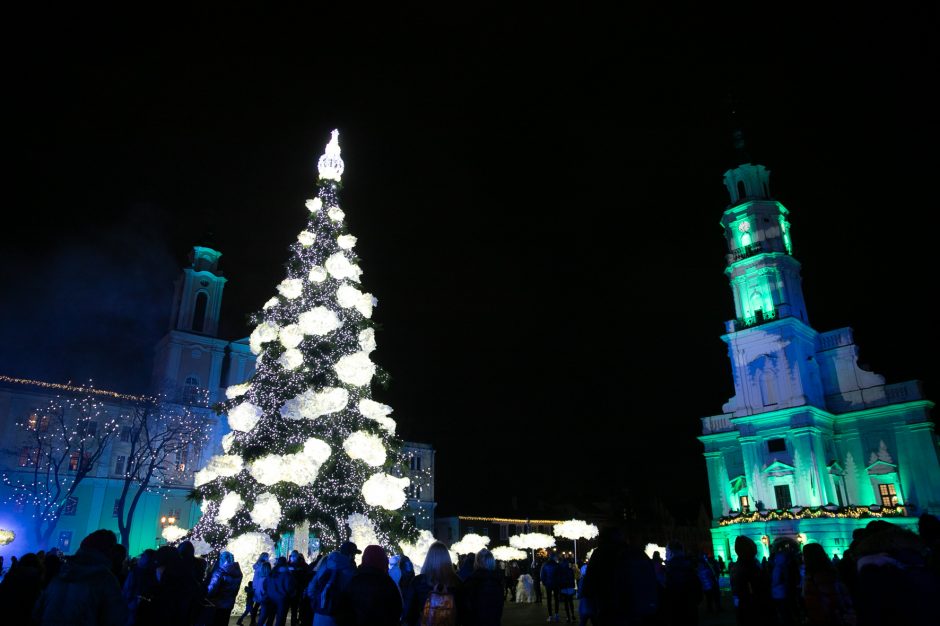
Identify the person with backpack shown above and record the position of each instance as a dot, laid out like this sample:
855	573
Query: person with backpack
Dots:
372	594
438	595
330	581
484	592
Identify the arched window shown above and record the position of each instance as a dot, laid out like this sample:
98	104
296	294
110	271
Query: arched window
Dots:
191	390
768	390
199	311
742	192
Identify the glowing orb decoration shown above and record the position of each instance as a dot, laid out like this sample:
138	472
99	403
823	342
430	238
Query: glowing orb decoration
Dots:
318	321
248	547
231	504
336	214
331	166
266	512
386	491
355	369
244	417
418	551
378	412
237	390
317	274
576	529
306	238
365	447
173	533
291	359
291	288
291	336
362	532
6	537
508	553
314	205
470	544
367	340
312	404
224	465
263	333
272	302
300	468
346	242
532	541
340	267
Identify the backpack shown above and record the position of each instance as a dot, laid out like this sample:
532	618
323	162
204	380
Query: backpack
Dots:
324	592
439	609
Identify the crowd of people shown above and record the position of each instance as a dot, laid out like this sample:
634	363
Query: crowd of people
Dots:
887	575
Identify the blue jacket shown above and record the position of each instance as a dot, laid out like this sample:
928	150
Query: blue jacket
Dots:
344	570
224	585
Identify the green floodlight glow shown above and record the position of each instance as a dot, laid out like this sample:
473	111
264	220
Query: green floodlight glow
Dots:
785	231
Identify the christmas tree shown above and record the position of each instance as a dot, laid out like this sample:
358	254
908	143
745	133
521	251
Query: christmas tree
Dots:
309	450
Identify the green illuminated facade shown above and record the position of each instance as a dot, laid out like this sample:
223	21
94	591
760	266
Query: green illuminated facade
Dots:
811	446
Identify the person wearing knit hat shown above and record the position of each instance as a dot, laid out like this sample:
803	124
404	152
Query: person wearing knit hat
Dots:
373	595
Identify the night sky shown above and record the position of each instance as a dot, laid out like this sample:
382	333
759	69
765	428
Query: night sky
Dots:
536	194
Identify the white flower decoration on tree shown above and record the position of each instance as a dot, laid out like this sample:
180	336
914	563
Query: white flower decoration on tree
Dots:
223	465
365	447
291	335
418	550
367	340
355	369
272	302
231	504
336	214
379	412
470	544
244	417
300	468
263	333
291	288
319	321
306	238
266	512
362	530
346	242
248	547
201	546
348	297
317	274
508	553
314	205
227	440
313	404
385	490
237	390
576	529
173	533
340	267
291	359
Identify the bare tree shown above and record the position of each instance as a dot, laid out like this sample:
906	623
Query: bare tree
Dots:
163	441
66	439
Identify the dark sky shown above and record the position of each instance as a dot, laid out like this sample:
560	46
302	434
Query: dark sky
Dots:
536	195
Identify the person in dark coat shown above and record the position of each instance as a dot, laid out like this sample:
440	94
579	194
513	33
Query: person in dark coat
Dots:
177	598
548	578
224	585
749	585
338	564
466	566
297	565
683	590
278	590
564	582
619	583
85	591
372	595
20	588
51	565
191	562
535	569
406	583
483	592
138	589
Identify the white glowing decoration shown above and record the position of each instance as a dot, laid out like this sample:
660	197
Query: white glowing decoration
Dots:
331	164
508	553
300	468
223	465
266	512
318	321
291	288
340	267
272	302
346	242
385	490
355	369
314	205
362	531
378	412
576	529
317	274
470	544
227	440
587	557
291	359
367	340
649	550
312	404
291	335
336	214
237	390
418	551
231	504
348	297
244	417
306	238
263	333
201	546
247	548
365	447
532	541
174	533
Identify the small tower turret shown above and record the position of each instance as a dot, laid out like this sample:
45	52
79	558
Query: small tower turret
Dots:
197	302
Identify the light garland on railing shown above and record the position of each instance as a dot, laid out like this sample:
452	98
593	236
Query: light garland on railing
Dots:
851	512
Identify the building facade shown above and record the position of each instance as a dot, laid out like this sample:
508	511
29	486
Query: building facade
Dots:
811	446
192	366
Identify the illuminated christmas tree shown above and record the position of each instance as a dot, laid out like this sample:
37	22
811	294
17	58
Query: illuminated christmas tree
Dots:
309	451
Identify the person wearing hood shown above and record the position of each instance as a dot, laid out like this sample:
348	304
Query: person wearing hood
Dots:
278	589
332	579
372	595
224	584
86	590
